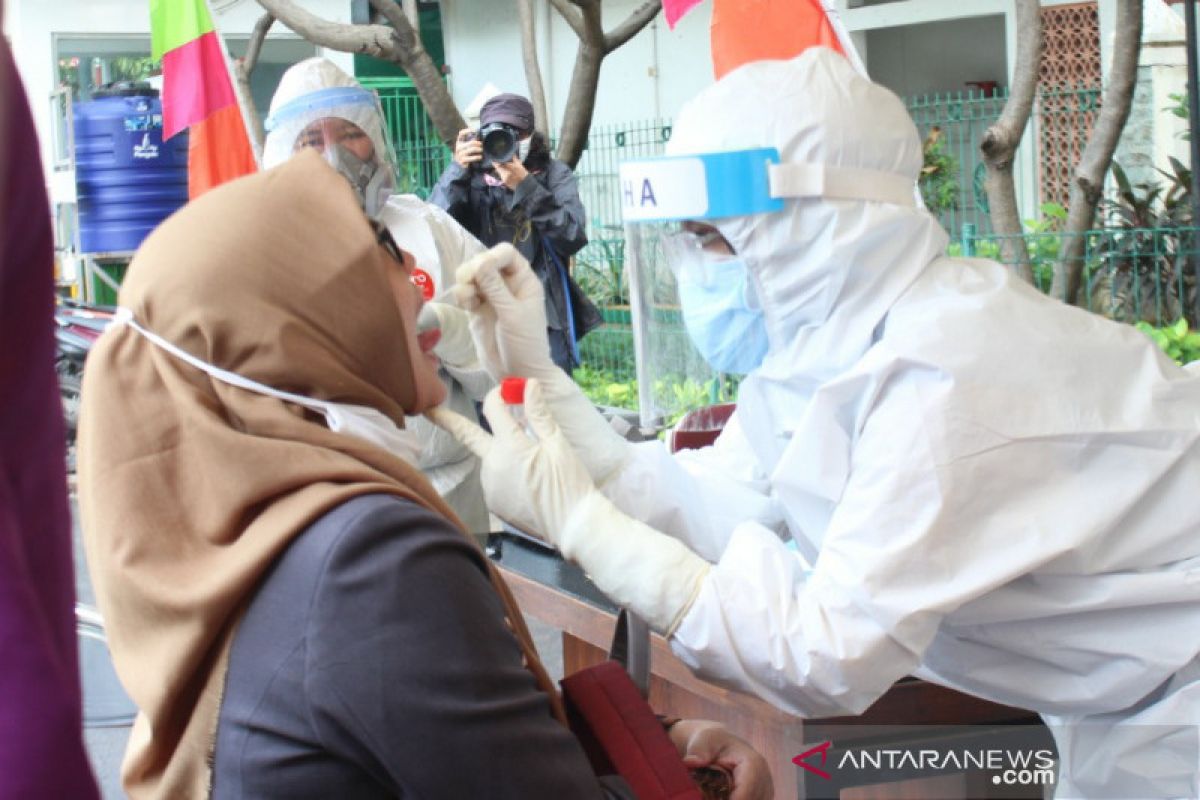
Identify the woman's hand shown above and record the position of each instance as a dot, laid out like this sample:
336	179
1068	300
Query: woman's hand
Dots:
468	149
703	743
511	173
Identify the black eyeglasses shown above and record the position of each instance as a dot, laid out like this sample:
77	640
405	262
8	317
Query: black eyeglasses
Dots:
383	237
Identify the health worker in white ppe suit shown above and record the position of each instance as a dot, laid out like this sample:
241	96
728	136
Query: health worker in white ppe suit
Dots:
319	106
933	469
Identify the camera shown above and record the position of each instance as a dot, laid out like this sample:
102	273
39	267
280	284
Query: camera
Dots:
499	143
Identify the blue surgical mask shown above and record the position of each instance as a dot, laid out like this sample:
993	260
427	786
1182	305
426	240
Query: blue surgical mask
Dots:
723	317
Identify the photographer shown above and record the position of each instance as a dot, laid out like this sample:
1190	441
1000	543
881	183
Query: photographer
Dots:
528	199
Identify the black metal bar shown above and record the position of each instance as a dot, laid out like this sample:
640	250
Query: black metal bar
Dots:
1193	86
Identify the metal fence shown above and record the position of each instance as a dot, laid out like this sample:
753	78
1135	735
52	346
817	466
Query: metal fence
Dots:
1129	274
420	154
956	122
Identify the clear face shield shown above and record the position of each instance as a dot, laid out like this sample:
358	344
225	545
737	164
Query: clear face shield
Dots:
344	124
695	300
696	316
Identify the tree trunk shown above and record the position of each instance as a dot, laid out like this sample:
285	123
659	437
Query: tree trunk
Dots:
1000	141
581	103
398	44
1088	186
533	72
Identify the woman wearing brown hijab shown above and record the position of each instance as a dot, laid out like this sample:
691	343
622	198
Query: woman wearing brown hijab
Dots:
293	608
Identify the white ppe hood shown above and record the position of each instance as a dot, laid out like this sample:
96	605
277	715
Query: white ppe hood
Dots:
826	270
987	488
297	101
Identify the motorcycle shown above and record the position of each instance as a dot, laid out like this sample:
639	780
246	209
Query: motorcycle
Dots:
77	326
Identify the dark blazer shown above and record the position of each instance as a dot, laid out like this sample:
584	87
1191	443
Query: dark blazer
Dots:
374	662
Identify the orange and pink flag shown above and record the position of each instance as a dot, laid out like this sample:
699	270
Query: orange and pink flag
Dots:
198	94
755	30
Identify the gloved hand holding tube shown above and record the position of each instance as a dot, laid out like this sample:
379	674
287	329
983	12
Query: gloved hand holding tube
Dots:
541	486
508	323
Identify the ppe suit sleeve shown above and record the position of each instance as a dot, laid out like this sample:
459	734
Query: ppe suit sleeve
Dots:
554	209
696	496
452	192
474	380
454	242
890	567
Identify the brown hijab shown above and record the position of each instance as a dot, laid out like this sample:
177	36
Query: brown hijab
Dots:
190	488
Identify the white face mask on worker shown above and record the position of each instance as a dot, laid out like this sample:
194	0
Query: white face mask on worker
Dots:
362	422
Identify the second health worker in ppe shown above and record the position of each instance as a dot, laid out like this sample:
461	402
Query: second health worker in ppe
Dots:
982	486
319	107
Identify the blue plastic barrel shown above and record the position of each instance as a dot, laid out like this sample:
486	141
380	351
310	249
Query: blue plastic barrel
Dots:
127	178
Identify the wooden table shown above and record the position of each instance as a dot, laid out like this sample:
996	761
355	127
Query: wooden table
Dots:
559	595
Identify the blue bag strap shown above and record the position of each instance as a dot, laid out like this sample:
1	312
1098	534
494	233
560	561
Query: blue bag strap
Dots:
562	272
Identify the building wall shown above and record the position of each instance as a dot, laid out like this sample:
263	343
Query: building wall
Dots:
1153	135
939	56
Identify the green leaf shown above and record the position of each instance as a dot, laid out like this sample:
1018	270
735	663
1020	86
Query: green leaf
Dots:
1180	328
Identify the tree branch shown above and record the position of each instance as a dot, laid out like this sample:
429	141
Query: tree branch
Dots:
242	69
593	28
1000	141
639	18
1097	156
573	16
399	44
372	40
412	14
257	37
401	25
533	72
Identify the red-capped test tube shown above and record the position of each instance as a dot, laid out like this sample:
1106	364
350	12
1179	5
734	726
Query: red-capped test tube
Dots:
512	392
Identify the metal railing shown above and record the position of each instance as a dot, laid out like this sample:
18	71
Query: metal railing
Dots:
1061	121
1129	274
420	154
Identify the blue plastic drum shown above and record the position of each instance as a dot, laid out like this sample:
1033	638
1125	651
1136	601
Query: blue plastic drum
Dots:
127	178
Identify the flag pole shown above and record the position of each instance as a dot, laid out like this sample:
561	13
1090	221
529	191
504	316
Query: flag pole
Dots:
835	21
255	147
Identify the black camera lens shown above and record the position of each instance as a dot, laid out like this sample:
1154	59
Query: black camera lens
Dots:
499	142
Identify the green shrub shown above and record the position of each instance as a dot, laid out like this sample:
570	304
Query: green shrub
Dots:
939	175
1043	237
1175	340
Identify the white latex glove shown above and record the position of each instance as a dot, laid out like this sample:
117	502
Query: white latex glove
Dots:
456	349
508	324
541	486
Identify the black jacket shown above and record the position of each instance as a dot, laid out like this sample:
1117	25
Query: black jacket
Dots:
543	209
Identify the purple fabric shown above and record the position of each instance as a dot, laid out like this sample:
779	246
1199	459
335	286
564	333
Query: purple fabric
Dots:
41	739
511	109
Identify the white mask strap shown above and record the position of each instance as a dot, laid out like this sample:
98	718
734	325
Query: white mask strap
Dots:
124	316
840	183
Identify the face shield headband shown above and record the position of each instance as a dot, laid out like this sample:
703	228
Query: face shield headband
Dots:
739	183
